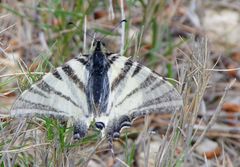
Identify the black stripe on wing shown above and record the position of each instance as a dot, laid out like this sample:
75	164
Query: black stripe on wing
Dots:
48	89
56	74
71	73
81	60
137	70
26	104
169	96
161	110
127	66
147	82
113	58
158	84
35	91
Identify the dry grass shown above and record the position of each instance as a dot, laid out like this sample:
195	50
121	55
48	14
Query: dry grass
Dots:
40	38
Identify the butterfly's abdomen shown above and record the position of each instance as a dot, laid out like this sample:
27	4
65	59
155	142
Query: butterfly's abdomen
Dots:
98	84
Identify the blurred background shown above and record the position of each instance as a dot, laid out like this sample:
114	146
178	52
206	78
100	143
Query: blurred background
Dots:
194	42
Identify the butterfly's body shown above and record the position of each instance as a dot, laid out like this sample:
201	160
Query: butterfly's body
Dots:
98	83
107	88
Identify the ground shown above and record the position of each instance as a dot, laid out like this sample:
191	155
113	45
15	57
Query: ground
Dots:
194	45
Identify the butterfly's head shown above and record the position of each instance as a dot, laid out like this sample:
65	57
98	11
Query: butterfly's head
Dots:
98	44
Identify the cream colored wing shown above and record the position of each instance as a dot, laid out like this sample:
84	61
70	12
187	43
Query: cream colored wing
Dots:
137	91
59	94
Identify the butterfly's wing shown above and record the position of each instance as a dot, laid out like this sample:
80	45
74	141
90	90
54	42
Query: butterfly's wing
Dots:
60	94
136	91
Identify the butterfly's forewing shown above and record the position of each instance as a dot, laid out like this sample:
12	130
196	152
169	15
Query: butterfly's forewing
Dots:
137	91
59	94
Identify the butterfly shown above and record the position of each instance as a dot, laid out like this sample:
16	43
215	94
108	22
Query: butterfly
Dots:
108	88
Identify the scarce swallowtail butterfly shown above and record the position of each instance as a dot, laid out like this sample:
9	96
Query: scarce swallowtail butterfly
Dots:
108	88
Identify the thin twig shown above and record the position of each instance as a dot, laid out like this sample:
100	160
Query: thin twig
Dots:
22	73
224	70
212	121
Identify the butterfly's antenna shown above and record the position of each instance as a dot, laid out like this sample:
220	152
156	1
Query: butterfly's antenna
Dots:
124	20
90	35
